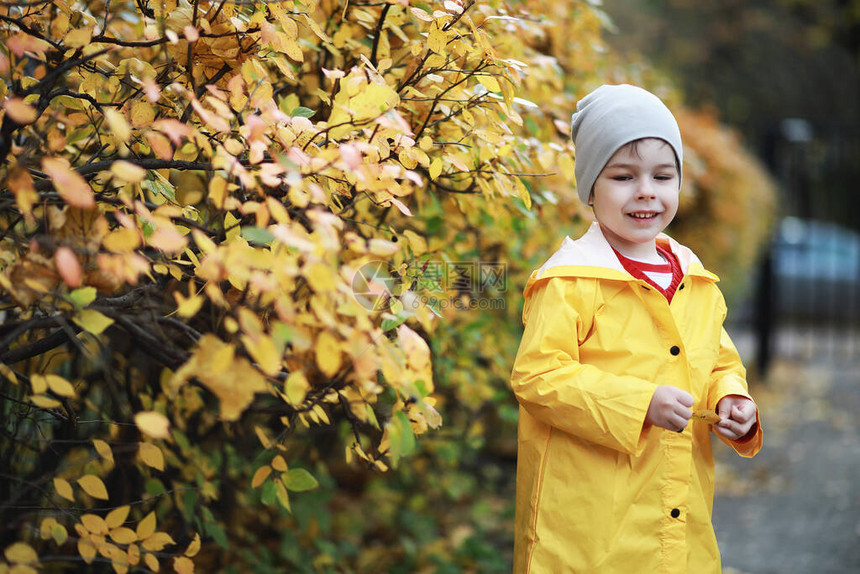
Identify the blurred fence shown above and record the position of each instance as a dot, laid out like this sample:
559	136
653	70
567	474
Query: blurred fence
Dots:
806	299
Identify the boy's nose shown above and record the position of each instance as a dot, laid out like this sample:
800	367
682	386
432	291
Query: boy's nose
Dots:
645	190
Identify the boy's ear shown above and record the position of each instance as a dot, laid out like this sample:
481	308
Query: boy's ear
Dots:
591	199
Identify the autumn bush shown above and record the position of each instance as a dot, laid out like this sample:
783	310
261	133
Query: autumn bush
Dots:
261	268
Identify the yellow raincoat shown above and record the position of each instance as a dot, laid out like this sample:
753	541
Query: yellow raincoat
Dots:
598	490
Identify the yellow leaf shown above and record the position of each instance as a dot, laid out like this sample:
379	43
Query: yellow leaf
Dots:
194	547
39	384
123	535
146	527
188	307
7	372
93	486
320	277
153	424
157	542
279	464
71	186
20	553
437	40
127	171
328	353
489	82
118	124
64	489
260	476
92	321
282	494
78	38
44	402
116	517
264	351
565	162
435	168
103	449
151	455
382	247
46	527
151	562
94	524
183	565
86	550
706	415
60	386
297	387
142	114
20	111
122	240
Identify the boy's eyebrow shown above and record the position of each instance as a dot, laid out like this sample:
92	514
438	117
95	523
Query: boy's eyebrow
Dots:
635	165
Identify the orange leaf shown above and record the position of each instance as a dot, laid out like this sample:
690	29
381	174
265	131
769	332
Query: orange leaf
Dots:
20	111
260	476
68	266
73	188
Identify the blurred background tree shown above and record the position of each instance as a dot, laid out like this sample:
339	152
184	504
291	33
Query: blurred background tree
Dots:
187	192
784	73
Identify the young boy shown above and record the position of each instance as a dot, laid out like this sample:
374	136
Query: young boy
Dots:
623	342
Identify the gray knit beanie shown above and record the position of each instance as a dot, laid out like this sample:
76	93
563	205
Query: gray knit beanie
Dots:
612	116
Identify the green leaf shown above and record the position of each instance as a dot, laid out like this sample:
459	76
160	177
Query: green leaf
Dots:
82	297
302	112
268	493
154	487
299	480
156	183
257	235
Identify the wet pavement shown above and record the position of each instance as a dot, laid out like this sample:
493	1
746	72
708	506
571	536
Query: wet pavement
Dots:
795	508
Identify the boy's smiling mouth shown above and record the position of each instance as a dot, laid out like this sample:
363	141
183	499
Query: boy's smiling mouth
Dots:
644	214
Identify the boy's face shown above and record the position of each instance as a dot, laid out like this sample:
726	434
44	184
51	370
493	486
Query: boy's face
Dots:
636	196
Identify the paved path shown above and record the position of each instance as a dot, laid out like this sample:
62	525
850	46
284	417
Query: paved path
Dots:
795	508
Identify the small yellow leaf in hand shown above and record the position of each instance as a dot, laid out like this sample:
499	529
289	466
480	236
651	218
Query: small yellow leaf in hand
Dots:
151	455
706	415
152	424
64	489
93	486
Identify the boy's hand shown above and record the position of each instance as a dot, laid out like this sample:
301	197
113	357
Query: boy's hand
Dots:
738	416
670	408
